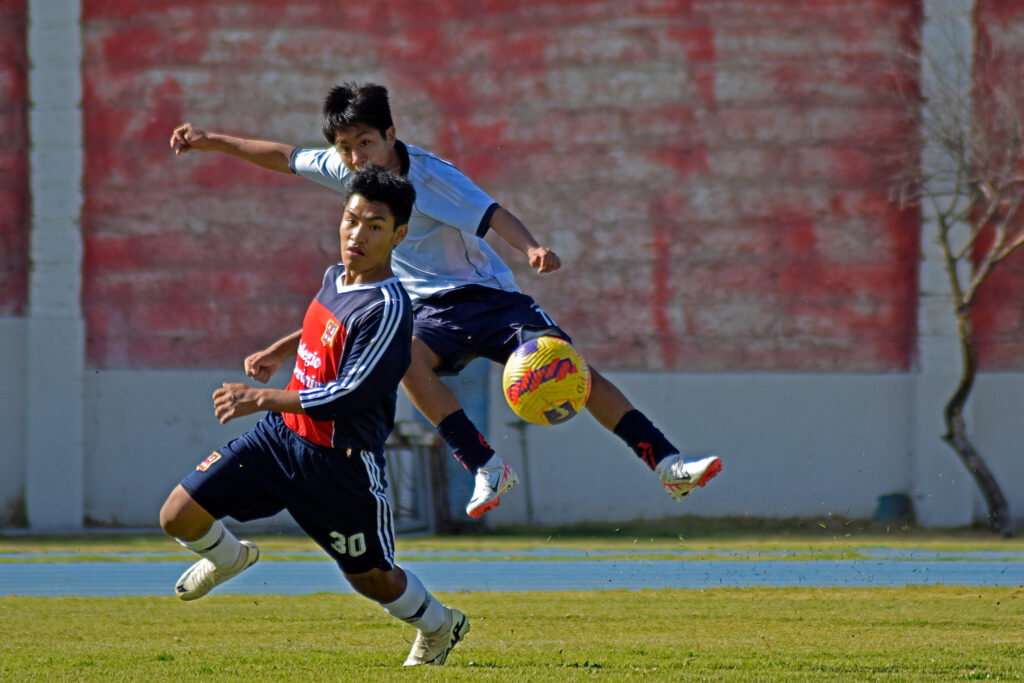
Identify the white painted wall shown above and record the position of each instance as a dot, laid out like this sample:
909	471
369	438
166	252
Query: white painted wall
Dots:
792	445
948	37
54	354
144	431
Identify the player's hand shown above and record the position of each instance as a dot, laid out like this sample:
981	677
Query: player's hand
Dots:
261	365
187	137
233	400
543	259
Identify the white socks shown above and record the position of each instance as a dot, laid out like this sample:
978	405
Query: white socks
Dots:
218	545
417	607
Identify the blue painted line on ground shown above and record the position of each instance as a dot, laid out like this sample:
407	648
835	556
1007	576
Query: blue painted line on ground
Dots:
572	553
299	577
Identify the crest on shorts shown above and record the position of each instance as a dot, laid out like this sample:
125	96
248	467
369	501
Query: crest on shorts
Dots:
330	332
210	459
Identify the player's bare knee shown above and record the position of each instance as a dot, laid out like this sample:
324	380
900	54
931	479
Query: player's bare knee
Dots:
172	521
169	520
182	517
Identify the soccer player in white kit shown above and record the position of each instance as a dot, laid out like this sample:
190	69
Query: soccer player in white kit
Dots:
466	302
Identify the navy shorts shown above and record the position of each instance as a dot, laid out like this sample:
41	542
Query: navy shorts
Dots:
338	499
478	322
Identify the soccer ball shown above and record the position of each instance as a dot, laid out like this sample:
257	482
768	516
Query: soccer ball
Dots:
546	381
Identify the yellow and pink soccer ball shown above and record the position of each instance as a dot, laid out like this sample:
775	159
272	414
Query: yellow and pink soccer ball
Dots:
546	381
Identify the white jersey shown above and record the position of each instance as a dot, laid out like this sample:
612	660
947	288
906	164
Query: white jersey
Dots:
444	247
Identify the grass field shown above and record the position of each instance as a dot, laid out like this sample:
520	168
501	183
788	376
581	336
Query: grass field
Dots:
761	634
932	633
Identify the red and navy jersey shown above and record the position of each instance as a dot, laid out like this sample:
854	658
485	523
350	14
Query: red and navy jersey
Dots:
354	349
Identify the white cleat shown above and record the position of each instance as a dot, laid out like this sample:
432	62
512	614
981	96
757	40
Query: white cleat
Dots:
433	648
201	577
492	480
680	476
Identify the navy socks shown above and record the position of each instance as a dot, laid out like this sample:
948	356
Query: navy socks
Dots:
465	440
646	440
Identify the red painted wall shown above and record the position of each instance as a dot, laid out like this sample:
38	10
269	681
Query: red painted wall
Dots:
999	309
709	171
14	195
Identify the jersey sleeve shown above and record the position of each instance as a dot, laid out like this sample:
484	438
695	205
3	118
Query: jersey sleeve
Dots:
373	366
322	166
447	195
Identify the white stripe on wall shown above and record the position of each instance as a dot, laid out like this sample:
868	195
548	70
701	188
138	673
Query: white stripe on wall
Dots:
55	342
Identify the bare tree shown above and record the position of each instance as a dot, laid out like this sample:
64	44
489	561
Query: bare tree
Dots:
968	123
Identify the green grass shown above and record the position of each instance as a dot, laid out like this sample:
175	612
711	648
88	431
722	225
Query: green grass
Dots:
926	633
750	634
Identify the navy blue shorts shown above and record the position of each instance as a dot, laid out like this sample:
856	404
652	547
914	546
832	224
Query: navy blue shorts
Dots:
339	500
478	322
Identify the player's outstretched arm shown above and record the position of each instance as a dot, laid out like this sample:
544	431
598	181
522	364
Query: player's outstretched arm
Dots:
269	155
262	364
512	230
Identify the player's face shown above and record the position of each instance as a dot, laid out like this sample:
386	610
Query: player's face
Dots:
363	144
368	234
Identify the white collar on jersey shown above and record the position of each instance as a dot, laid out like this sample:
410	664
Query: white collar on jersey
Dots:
339	284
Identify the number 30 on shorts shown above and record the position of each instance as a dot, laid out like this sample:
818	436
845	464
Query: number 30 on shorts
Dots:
353	546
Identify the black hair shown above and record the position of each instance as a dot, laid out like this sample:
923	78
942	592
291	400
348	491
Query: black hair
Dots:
351	103
377	184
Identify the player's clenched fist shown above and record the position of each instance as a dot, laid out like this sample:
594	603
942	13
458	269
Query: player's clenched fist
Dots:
186	137
544	260
234	400
261	365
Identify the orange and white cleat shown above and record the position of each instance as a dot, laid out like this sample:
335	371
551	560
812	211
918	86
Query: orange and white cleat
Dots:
680	476
492	480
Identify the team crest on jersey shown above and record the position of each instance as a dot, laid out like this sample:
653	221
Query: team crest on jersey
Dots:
330	332
210	459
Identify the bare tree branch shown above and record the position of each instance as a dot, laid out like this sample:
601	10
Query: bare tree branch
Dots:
971	134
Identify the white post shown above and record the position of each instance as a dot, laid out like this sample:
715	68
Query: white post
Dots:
943	491
54	468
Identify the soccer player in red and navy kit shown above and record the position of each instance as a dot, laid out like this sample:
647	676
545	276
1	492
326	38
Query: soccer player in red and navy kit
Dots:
319	452
467	304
